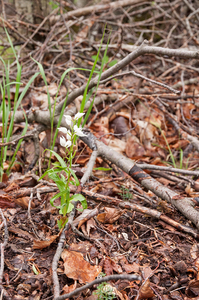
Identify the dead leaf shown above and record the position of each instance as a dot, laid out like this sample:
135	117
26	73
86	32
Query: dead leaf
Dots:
188	189
193	289
77	268
13	186
23	202
20	232
133	148
38	244
89	225
101	217
90	215
6	201
85	216
131	268
116	144
194	251
146	291
69	288
147	133
107	266
110	216
83	247
197	263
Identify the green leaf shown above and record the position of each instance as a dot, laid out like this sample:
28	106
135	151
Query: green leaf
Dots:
59	223
35	270
98	80
113	62
94	57
106	59
54	198
62	162
66	208
75	177
81	198
102	169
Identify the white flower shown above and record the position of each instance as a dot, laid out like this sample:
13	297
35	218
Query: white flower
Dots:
64	143
78	131
63	129
68	120
68	135
78	115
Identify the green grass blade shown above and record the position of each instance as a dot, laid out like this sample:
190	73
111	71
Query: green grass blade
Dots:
19	144
62	162
85	98
98	81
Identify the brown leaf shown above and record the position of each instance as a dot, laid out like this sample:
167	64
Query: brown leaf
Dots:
188	189
116	267
37	244
20	232
85	215
197	264
110	216
69	288
131	268
194	251
82	247
134	149
77	268
89	225
92	213
6	201
11	187
108	268
116	144
193	288
147	271
120	125
23	202
101	217
146	291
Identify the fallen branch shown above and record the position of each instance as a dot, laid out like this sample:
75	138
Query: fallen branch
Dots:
139	208
98	281
168	169
58	253
90	166
184	204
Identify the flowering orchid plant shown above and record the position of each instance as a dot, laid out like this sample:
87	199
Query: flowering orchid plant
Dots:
60	167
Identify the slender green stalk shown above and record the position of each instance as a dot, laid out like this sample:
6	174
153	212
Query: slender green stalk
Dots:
5	109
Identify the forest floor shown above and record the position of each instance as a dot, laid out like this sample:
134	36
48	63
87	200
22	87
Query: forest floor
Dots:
127	227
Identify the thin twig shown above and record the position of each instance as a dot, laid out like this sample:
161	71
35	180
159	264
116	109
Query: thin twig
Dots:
29	216
168	169
3	245
58	253
90	166
98	281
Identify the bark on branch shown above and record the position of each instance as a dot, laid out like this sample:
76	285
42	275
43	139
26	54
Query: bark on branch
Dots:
184	204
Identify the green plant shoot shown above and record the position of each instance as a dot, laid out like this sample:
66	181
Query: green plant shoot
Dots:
61	167
105	291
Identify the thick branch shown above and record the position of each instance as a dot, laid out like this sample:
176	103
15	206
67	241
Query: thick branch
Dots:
183	204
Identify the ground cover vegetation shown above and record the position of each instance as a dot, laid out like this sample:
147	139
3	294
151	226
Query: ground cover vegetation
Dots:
99	151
